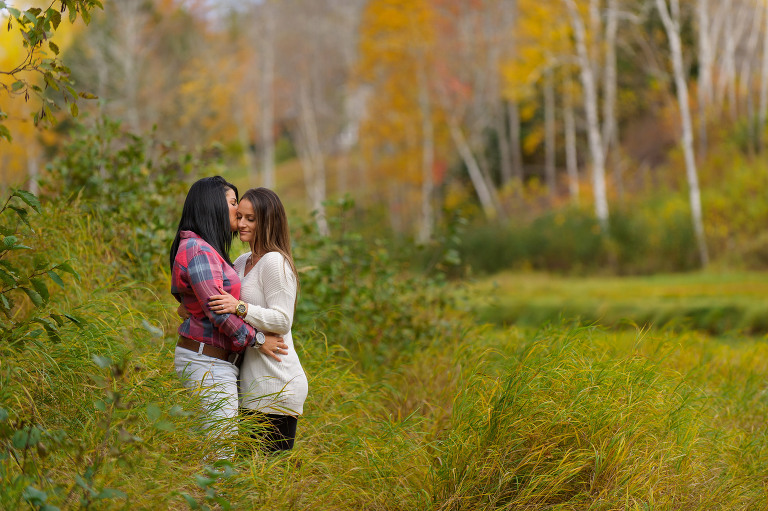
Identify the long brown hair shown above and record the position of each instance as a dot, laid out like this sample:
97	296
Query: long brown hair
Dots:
271	233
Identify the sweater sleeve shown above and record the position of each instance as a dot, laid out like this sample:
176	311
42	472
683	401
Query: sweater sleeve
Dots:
279	286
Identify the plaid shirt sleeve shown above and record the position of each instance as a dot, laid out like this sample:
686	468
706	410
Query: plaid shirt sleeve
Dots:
205	278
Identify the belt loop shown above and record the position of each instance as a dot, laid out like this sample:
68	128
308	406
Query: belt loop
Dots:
200	349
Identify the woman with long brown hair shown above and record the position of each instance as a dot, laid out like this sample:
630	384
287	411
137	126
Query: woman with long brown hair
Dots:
271	392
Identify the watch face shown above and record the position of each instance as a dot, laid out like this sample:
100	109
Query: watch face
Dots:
241	309
260	338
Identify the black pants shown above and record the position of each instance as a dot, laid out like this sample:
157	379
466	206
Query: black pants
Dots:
277	432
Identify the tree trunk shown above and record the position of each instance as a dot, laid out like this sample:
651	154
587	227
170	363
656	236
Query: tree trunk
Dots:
571	158
513	113
267	99
610	126
593	122
427	159
671	21
311	157
549	134
33	169
502	138
482	188
746	75
705	73
763	113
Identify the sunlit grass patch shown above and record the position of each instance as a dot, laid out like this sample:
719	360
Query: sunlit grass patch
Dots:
712	302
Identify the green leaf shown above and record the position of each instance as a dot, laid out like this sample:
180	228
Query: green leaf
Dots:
4	133
87	95
14	12
191	502
41	288
30	16
34	296
153	412
17	85
54	48
102	362
28	198
55	277
67	268
55	19
100	405
34	496
23	214
73	319
7	278
73	109
5	303
165	426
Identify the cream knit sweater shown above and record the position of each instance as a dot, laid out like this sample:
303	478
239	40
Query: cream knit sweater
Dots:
267	385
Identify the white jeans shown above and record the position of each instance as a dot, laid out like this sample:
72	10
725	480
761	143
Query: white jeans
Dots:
216	382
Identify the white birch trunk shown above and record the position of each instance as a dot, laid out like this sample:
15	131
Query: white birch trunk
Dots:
609	78
571	157
593	122
746	73
311	157
515	146
705	73
505	154
33	169
671	21
484	192
267	99
427	160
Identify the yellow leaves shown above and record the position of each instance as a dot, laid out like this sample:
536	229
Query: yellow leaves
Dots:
542	40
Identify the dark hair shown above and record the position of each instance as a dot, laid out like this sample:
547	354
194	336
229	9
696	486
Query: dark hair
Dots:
272	233
206	214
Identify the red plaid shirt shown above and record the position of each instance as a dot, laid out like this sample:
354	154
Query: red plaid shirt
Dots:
198	271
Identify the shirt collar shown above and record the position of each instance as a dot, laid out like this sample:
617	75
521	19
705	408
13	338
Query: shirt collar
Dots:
188	234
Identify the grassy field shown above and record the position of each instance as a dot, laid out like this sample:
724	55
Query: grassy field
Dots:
719	303
412	405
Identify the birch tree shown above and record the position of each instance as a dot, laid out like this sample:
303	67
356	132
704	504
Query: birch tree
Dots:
266	94
670	17
586	64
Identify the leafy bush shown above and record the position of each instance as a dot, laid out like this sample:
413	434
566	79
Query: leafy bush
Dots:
137	184
358	294
645	240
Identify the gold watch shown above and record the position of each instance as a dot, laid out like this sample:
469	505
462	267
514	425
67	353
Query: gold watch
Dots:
242	309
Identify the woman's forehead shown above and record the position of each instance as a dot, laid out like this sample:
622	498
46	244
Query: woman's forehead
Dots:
230	194
245	206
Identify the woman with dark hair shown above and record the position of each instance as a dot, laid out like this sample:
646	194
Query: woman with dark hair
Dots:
272	391
210	344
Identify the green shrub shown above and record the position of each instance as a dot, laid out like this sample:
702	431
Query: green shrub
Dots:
642	241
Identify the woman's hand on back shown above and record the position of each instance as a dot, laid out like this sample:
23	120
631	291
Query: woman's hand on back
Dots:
274	346
224	303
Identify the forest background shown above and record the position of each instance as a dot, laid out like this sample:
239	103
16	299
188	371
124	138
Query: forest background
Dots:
493	204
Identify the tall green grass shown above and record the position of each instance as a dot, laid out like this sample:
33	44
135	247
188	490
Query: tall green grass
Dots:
413	404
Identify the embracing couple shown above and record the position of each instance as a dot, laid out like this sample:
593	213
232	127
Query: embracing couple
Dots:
235	347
